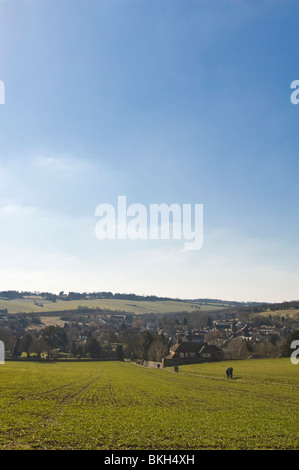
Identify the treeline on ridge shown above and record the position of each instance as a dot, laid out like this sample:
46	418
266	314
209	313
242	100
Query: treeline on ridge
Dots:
13	294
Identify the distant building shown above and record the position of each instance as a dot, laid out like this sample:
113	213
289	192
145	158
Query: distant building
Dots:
195	336
187	352
222	325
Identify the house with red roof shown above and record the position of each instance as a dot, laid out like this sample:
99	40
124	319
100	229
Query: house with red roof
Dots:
187	352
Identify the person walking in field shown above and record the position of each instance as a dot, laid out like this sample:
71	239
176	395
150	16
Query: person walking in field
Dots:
229	372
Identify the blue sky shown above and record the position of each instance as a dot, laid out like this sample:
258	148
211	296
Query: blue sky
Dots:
164	101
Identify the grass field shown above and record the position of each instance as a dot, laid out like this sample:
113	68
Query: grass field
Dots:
115	405
291	312
28	305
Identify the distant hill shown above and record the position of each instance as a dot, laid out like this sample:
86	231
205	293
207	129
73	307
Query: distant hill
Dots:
47	303
43	302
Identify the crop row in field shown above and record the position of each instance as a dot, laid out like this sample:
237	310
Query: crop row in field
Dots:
122	406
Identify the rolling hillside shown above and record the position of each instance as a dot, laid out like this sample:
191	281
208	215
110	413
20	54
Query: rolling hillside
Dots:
38	304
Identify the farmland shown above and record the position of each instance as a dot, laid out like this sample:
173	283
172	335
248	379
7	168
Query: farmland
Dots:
121	406
38	305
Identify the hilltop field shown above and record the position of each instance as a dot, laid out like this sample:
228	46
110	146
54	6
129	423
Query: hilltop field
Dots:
122	406
37	304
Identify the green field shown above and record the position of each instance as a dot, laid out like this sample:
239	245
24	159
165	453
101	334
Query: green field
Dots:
121	406
291	312
28	305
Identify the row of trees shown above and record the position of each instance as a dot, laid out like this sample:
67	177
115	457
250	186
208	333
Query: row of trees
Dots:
78	295
53	340
272	346
51	337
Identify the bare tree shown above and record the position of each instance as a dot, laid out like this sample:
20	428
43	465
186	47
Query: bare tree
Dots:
157	350
237	349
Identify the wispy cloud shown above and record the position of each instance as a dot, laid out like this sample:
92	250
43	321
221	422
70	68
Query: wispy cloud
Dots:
62	164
